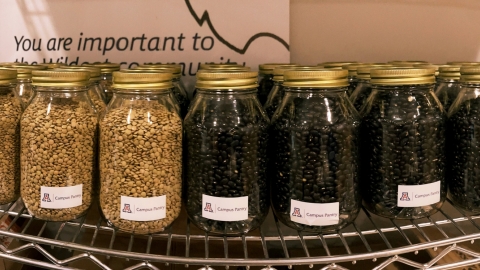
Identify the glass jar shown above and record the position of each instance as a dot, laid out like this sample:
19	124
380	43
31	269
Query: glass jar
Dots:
463	141
363	89
58	146
9	137
352	76
447	87
314	168
24	81
141	154
402	145
226	139
265	79
96	94
106	70
178	90
276	94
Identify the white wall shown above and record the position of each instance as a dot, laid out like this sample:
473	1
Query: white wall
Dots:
382	30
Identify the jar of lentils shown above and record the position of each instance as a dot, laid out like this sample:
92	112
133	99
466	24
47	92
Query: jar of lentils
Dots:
447	87
314	171
9	136
96	94
463	129
178	90
403	145
58	146
141	154
24	81
106	70
226	140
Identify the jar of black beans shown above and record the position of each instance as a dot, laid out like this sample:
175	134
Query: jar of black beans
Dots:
447	87
463	141
226	140
265	82
314	178
363	87
402	145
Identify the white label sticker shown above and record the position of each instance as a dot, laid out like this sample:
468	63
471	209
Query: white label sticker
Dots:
225	209
418	195
61	197
315	214
143	209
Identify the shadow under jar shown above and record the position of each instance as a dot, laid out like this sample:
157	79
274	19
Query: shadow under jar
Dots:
141	154
402	145
448	87
463	142
226	139
9	137
58	146
314	152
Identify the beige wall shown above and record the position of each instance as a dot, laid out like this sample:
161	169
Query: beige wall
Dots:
382	30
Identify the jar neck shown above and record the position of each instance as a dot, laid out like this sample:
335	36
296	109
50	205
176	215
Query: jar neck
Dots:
7	88
106	76
470	85
446	80
217	92
24	80
60	89
143	94
316	91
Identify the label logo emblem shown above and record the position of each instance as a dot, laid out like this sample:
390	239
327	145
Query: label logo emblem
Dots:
404	197
296	212
126	208
46	197
208	207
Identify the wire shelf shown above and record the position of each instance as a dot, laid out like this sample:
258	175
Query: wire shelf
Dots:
378	240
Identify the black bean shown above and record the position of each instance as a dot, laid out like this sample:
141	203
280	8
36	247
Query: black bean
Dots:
463	141
235	137
402	143
311	139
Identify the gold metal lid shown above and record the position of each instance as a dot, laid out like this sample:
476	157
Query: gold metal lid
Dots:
280	71
352	68
219	65
232	68
463	63
25	71
51	65
470	74
105	68
337	64
94	71
222	80
402	76
321	78
9	64
449	72
142	80
176	71
8	75
408	63
363	72
269	67
434	66
53	78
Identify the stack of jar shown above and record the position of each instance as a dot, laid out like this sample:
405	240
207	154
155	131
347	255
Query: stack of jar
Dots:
317	157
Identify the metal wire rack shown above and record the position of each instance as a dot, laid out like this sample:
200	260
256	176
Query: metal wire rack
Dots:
423	244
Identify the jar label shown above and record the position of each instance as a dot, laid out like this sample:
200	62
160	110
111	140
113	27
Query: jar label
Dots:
61	197
143	209
418	195
225	209
315	214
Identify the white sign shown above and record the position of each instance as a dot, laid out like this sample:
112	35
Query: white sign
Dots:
418	195
225	209
61	197
315	214
188	32
143	209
